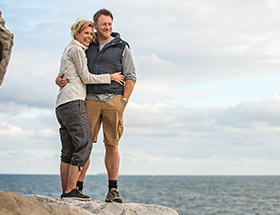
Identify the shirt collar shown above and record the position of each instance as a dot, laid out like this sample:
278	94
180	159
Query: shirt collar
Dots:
77	43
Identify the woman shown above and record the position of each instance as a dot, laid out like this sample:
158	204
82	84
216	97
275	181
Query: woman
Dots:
70	108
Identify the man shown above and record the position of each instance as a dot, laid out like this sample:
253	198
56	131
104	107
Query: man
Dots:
106	103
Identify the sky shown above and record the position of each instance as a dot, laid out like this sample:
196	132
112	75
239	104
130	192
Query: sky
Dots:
207	98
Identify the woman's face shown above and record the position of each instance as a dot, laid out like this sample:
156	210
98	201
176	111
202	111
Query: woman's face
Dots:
85	37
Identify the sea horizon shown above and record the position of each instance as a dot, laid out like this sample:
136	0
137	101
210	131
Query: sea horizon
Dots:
105	174
186	194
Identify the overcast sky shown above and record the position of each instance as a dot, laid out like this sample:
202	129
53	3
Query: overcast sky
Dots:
206	101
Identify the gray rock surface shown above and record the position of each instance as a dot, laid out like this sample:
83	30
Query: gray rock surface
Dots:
6	43
13	204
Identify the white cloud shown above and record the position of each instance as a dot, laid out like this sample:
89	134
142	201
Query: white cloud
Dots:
12	131
48	132
252	112
248	130
157	165
206	73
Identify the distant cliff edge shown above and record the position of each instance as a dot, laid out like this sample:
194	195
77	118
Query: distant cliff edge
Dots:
6	44
12	204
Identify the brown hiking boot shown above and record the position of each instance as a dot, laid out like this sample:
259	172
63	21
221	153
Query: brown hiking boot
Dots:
113	196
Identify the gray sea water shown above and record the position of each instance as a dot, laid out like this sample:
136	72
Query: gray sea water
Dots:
188	195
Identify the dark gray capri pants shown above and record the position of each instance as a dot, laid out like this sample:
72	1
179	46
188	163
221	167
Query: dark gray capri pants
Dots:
74	132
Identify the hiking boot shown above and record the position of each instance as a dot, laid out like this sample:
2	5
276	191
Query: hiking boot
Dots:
75	194
81	191
113	196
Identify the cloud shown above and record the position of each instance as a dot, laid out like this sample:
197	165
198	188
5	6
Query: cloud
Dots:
157	165
7	130
31	79
33	128
161	80
48	132
206	73
252	113
206	40
204	133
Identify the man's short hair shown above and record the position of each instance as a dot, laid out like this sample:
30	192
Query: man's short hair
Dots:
104	12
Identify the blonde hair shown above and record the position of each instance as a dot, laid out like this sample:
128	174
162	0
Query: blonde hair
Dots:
79	26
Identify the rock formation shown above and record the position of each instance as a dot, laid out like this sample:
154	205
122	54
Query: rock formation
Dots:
13	204
6	43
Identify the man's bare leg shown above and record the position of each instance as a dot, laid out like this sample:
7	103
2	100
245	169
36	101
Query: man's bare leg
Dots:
112	161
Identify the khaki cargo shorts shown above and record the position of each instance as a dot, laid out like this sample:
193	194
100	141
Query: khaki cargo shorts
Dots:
110	114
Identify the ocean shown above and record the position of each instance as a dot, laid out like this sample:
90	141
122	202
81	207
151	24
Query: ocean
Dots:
188	195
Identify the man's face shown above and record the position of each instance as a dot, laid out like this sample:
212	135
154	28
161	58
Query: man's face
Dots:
104	27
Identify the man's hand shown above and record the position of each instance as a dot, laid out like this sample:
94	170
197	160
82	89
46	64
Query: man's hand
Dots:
61	81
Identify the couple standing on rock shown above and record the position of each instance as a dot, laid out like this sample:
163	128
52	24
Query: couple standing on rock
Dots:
94	89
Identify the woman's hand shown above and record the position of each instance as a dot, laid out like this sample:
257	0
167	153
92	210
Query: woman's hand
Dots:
117	77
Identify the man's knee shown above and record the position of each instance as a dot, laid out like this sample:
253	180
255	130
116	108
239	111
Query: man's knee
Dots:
112	148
